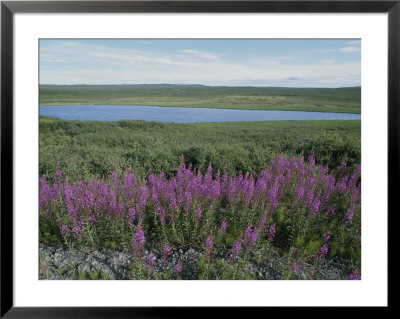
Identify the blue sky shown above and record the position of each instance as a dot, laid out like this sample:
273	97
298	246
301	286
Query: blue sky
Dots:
258	62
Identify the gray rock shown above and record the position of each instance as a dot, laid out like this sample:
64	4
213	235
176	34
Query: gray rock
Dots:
99	255
84	267
65	265
78	257
269	266
57	257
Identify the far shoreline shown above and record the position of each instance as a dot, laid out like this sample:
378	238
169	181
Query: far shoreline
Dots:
331	100
283	109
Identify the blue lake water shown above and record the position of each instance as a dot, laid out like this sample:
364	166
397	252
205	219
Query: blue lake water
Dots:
182	114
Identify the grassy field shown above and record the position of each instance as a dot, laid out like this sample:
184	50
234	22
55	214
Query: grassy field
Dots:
346	100
84	149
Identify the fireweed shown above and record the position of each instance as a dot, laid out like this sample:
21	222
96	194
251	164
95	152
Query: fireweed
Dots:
208	245
355	275
150	260
178	269
166	252
290	203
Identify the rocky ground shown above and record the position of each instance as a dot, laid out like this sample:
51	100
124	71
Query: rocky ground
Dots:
58	262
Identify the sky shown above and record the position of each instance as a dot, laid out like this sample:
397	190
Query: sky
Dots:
213	62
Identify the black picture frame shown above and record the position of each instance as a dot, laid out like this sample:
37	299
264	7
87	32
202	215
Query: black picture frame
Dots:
9	8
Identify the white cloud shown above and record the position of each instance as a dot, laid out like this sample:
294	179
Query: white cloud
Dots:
287	58
328	61
349	50
199	54
189	51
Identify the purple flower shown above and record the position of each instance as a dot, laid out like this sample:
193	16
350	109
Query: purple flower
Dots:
121	208
261	222
315	206
343	165
131	214
342	185
272	196
129	184
115	180
151	259
271	232
154	198
161	213
198	214
322	170
296	266
300	193
237	246
188	200
224	225
250	237
356	194
138	242
208	244
166	252
112	207
88	200
311	161
171	199
142	197
215	191
58	174
327	236
77	229
331	211
64	230
352	181
355	275
57	177
348	217
323	251
310	183
44	192
178	269
92	220
309	199
208	176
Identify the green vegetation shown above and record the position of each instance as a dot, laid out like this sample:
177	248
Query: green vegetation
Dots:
305	217
82	275
294	206
86	149
104	276
94	275
346	100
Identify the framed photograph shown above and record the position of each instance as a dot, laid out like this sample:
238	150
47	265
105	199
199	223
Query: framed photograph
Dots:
164	155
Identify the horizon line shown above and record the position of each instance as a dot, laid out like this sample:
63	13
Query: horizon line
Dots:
176	84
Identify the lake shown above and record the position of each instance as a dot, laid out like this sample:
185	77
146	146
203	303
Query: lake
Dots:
182	114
